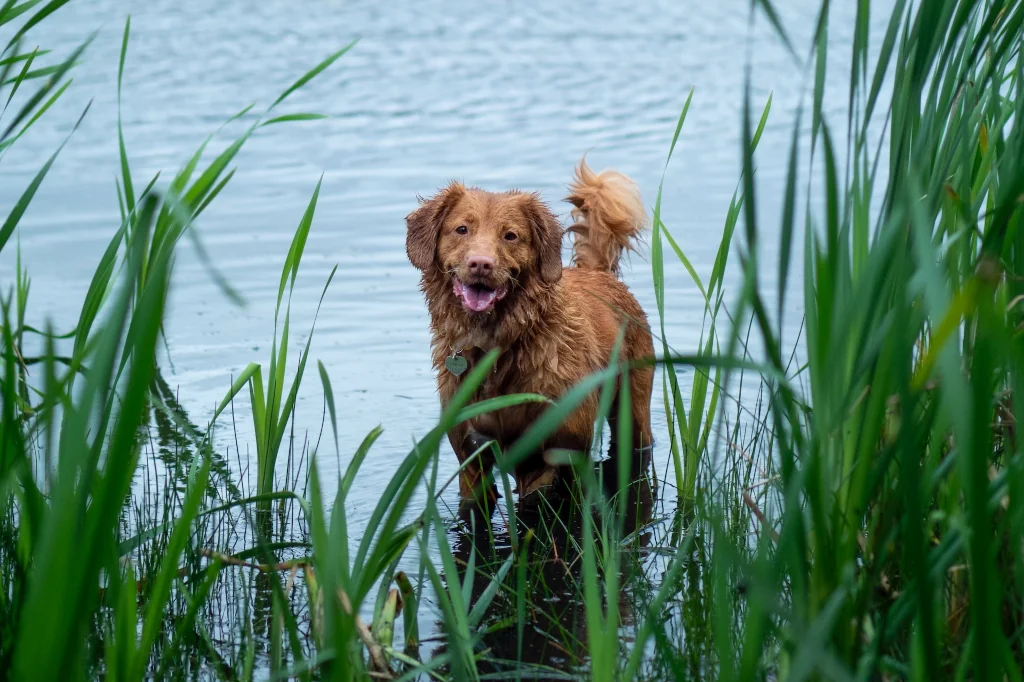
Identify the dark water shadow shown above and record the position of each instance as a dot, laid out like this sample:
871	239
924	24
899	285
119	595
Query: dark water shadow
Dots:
177	438
552	643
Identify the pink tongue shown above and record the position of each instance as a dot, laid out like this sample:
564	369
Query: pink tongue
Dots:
477	299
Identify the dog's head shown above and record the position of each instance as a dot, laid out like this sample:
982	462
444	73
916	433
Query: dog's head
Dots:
487	244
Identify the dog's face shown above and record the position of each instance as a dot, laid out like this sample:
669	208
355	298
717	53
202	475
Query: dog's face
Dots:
487	244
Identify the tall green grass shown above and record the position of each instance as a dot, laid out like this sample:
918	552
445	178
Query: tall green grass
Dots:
859	517
890	540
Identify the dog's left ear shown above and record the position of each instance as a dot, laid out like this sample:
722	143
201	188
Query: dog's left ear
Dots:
548	234
424	224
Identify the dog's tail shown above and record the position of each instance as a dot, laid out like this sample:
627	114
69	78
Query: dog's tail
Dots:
608	217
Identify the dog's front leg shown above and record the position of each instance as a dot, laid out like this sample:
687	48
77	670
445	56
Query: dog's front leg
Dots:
547	469
475	480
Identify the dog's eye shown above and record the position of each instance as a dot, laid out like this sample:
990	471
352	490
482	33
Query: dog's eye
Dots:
511	236
461	229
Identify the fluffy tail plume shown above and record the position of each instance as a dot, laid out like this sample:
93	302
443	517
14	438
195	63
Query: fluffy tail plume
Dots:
608	217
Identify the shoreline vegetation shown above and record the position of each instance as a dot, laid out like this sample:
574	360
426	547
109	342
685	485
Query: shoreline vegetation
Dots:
859	517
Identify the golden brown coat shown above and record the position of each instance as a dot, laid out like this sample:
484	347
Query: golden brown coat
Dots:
493	277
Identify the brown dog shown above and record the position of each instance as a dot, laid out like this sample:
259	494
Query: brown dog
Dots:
493	278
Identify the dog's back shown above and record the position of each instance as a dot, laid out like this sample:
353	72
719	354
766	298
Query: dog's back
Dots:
609	219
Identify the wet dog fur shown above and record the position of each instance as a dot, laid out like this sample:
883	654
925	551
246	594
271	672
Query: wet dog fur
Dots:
493	277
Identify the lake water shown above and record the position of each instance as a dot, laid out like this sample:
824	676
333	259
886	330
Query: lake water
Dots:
496	94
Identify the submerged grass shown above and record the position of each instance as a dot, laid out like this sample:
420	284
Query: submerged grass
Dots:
858	517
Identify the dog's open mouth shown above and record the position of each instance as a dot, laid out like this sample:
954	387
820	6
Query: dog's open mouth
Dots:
477	297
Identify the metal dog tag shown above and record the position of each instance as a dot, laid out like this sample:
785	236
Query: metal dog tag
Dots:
456	364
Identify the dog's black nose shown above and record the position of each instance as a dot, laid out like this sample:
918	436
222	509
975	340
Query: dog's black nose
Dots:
481	265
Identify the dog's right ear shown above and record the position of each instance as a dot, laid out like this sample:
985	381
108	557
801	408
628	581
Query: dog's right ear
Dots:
424	224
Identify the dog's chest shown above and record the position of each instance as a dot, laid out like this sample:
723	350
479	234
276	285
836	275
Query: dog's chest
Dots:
508	423
512	373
